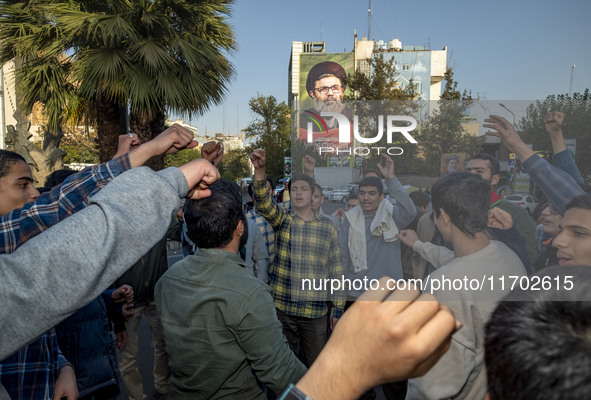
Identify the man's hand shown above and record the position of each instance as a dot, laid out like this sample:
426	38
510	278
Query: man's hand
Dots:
387	169
170	141
65	385
507	133
408	237
212	152
127	310
499	219
123	293
553	122
309	165
121	340
406	338
200	174
339	213
258	159
126	143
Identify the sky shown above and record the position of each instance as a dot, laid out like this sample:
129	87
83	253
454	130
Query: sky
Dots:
501	50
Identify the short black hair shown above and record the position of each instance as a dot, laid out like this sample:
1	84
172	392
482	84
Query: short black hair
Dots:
495	166
301	177
582	201
251	191
319	188
7	160
465	197
538	343
419	198
371	170
211	221
57	177
372	181
540	207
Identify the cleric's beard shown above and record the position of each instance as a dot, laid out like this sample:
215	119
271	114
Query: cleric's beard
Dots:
336	106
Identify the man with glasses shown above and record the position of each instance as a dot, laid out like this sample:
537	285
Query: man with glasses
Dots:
326	84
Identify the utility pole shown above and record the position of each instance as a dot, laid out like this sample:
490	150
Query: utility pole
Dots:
369	21
572	72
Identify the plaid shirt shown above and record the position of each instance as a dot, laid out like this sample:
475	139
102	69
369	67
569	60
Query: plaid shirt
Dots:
266	230
304	250
72	195
31	372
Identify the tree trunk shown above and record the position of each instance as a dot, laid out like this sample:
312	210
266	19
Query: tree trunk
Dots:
148	128
108	127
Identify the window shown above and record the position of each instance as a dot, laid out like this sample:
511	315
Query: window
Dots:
406	67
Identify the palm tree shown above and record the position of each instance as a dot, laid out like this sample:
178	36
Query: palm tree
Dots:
151	57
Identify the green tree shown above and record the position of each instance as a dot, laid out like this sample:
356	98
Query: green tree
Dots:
577	124
80	148
270	129
379	93
380	84
181	158
443	131
235	165
149	56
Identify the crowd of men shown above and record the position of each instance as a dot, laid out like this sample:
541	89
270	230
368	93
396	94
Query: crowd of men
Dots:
234	319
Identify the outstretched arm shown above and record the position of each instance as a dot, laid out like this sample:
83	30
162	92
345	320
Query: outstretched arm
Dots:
563	159
74	193
559	186
60	270
410	333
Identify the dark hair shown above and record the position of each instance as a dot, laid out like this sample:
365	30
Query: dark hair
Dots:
465	197
372	181
211	221
271	183
538	343
301	177
57	177
323	69
581	201
7	160
371	170
495	166
319	188
420	198
538	210
250	189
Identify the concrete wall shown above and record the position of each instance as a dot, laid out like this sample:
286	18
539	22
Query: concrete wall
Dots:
336	176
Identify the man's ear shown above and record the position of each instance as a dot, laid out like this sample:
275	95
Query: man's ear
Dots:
312	95
494	180
239	231
445	217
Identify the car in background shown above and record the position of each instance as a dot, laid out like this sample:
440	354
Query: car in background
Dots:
326	190
341	195
526	201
